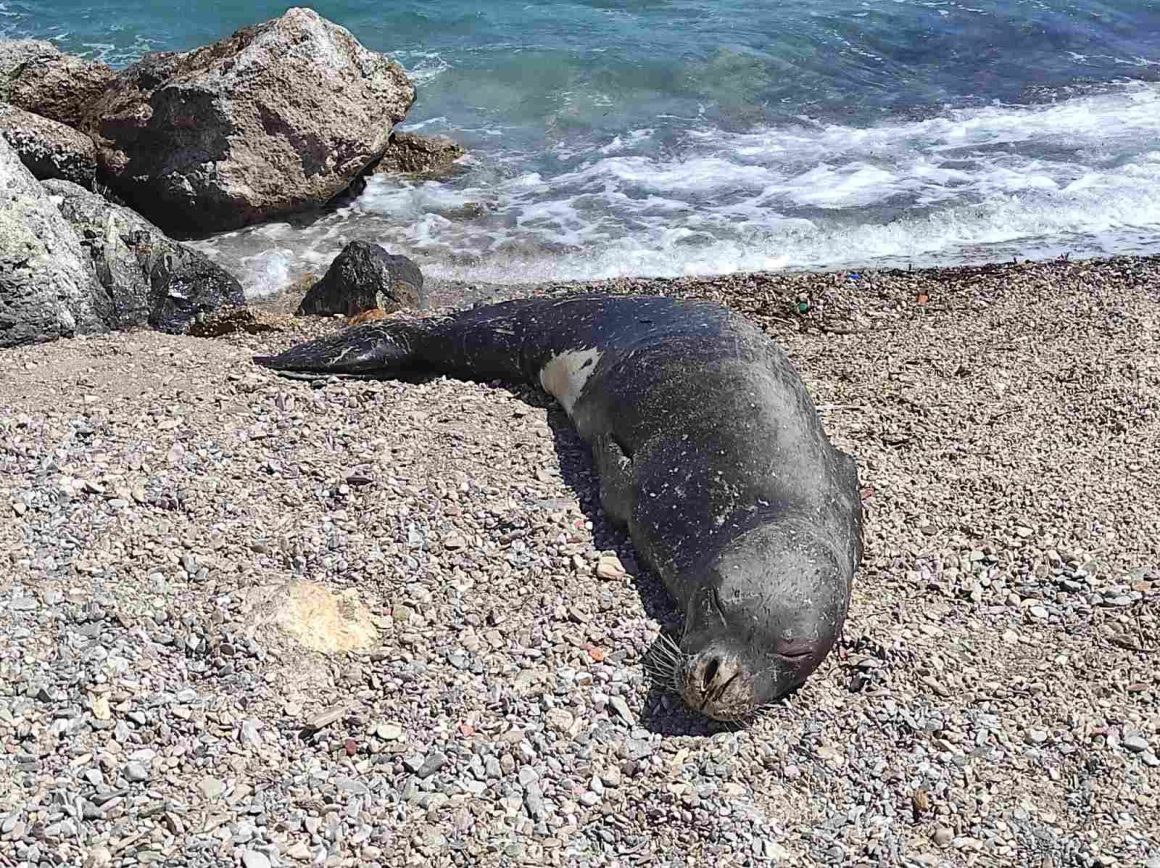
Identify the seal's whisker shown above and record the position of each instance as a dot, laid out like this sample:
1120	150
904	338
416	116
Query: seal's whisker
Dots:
664	679
658	653
664	662
667	662
665	648
661	666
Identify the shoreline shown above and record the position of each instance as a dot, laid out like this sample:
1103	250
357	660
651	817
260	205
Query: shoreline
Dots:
965	183
161	492
786	284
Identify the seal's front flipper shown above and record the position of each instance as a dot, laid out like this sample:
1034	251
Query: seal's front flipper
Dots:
615	470
370	349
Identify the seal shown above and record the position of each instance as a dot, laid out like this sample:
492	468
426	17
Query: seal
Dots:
707	446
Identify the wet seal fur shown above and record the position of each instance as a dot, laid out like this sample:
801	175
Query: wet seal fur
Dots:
708	448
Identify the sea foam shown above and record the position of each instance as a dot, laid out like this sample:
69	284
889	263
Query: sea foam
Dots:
1078	175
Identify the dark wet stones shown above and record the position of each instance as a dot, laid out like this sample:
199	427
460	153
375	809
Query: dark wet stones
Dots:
365	277
150	278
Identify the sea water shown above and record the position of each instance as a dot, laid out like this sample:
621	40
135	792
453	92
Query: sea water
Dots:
669	137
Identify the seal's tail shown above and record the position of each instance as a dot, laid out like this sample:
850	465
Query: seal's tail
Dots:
382	347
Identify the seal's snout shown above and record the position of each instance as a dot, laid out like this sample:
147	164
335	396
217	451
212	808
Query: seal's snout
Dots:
718	685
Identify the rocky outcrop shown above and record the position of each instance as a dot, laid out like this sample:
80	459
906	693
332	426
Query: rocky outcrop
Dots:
15	53
278	117
48	148
365	277
150	278
57	86
48	288
413	154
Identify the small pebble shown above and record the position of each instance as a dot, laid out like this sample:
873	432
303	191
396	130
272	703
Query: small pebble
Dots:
254	859
1135	743
136	772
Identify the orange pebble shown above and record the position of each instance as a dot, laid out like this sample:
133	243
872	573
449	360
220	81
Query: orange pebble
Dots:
372	315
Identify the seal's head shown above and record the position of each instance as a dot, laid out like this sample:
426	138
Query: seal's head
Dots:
767	611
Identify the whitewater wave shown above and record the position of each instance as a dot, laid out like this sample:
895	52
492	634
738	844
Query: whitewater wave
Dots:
422	66
967	185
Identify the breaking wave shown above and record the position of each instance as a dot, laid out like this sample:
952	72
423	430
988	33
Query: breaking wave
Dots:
1079	175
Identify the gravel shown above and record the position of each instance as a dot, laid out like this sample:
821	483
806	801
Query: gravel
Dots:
254	621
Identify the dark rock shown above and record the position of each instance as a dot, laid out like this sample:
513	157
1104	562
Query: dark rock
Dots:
58	86
365	277
48	288
279	117
411	153
151	279
49	148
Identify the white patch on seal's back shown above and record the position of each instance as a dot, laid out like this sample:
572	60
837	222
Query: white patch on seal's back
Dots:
565	375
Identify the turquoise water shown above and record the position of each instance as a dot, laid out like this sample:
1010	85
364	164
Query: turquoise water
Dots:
703	136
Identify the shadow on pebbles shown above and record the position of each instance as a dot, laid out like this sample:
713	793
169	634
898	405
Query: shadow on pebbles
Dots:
246	620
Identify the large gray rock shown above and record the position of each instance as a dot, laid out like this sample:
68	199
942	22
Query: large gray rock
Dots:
48	288
365	277
57	86
151	279
48	148
279	117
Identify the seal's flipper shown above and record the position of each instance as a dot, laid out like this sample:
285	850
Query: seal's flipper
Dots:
369	349
615	470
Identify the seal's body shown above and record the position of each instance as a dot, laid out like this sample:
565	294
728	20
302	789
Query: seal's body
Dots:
707	446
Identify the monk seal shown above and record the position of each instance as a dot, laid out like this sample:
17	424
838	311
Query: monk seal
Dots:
707	446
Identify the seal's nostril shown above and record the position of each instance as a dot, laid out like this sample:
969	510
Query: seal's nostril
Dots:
710	672
717	683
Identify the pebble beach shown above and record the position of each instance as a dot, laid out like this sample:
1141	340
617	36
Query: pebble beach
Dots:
247	620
